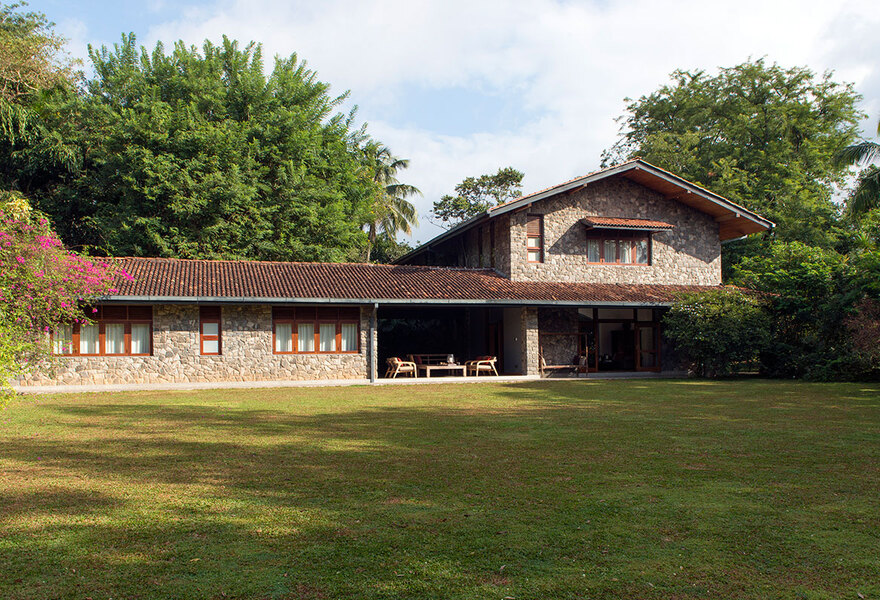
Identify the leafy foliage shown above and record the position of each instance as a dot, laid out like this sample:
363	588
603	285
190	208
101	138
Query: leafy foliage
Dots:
198	154
41	285
718	330
811	292
866	195
33	66
475	195
388	248
390	211
761	135
864	327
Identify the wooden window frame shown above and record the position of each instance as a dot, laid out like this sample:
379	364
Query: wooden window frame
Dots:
206	317
620	236
539	236
316	323
102	323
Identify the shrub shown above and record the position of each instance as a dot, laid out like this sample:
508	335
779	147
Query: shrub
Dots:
718	331
864	328
41	285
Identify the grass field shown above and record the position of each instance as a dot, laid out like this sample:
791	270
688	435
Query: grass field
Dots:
578	489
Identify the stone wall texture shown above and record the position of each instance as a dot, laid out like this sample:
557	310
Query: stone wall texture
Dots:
559	349
531	344
246	354
689	254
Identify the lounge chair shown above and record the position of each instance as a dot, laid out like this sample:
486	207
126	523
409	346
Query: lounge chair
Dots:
397	366
482	364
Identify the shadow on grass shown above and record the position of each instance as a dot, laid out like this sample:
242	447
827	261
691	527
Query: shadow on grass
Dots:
552	490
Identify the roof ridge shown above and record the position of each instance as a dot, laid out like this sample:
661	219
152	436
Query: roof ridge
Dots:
572	180
295	262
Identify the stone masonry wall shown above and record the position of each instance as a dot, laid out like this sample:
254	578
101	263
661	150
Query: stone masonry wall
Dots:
558	349
530	341
246	354
689	254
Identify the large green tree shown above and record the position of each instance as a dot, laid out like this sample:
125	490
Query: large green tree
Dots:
477	194
759	134
33	67
197	153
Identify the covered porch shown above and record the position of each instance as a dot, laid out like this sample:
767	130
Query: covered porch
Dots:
603	339
528	340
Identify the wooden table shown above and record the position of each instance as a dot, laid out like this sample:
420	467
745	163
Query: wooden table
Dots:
428	368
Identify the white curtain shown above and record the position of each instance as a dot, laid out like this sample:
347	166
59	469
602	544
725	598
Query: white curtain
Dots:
62	339
349	337
114	338
283	337
140	338
88	339
642	252
305	333
593	251
327	336
610	251
626	251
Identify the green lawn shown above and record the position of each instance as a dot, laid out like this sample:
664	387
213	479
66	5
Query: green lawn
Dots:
568	489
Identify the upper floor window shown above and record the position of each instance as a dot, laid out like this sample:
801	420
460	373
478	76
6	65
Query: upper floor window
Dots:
115	331
619	247
315	330
535	238
209	330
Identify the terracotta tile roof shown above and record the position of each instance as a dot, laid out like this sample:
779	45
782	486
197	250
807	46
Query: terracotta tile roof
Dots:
159	278
618	223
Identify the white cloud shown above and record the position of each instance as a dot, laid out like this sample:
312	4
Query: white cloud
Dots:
570	64
77	34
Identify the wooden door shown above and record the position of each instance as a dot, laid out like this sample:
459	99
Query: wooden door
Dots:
647	347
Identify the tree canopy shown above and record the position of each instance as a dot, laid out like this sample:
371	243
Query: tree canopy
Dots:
477	194
197	153
761	135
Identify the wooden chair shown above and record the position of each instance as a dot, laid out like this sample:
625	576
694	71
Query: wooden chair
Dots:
482	364
397	366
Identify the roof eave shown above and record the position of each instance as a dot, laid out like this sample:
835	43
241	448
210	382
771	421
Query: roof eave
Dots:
370	301
635	164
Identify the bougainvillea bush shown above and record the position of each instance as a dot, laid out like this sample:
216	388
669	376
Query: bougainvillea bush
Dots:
42	284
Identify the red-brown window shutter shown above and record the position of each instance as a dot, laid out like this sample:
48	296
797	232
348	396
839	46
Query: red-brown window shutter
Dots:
533	225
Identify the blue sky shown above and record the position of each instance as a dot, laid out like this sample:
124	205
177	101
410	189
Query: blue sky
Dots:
463	87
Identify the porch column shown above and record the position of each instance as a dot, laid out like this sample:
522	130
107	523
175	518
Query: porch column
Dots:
372	341
530	348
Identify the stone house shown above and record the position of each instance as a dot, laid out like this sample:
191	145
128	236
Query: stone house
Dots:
577	274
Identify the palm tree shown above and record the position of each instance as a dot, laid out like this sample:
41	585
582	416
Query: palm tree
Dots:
391	211
867	192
